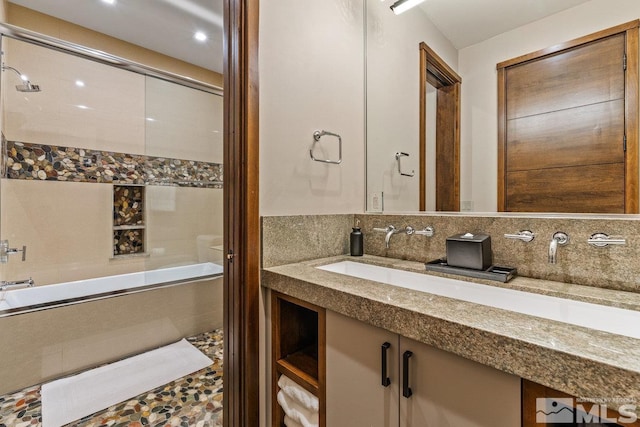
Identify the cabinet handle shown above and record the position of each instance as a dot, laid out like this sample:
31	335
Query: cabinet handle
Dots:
406	390
385	379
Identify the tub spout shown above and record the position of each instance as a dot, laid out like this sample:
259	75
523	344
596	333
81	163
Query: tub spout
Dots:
27	283
559	238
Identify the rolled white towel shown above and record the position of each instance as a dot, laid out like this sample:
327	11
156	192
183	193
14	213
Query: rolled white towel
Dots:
300	395
296	412
291	423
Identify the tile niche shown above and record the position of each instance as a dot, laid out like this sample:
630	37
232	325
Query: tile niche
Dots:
128	220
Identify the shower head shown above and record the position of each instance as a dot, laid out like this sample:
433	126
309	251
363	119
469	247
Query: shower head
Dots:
27	86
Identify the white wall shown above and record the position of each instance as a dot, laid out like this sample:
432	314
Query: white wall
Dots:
311	78
393	95
477	66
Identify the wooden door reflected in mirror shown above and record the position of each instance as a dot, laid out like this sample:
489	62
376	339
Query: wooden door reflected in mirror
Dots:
568	121
436	76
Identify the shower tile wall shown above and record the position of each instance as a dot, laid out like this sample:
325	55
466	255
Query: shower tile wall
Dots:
93	116
67	226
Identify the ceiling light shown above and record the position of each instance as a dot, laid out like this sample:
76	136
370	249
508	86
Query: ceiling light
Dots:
79	83
404	5
83	107
109	1
200	36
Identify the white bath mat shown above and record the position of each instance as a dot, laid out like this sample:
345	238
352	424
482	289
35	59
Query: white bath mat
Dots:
69	399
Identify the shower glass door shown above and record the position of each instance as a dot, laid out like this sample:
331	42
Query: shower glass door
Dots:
110	177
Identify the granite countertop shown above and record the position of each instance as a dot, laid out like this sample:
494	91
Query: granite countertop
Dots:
580	361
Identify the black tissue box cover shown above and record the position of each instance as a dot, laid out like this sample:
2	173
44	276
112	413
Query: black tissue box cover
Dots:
469	251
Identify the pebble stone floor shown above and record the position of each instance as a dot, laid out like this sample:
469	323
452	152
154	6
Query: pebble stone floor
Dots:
191	401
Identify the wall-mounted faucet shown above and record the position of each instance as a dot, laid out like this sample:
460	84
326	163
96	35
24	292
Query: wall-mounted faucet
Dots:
558	238
390	230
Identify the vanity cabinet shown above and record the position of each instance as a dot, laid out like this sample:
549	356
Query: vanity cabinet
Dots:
425	386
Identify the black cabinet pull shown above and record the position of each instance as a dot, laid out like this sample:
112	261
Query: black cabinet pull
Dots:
385	379
406	390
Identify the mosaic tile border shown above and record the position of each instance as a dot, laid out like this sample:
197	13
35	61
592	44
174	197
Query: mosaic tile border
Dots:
24	160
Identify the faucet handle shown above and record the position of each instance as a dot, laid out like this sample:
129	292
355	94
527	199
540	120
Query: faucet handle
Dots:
600	240
524	235
5	251
561	238
427	231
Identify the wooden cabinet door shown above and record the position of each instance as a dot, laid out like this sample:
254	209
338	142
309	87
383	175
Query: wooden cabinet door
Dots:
450	391
355	394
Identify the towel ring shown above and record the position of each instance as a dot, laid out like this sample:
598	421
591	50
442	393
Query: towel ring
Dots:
398	156
316	138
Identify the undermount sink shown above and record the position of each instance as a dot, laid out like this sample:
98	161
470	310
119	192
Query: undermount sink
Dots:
594	316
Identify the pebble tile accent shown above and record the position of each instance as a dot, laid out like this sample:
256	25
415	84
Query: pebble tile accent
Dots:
128	208
128	220
128	242
194	400
25	160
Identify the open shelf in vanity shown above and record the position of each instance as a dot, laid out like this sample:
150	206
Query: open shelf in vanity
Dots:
298	349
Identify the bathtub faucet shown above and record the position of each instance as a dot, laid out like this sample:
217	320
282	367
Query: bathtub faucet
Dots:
5	286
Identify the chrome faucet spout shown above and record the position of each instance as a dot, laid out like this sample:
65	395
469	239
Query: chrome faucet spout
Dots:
391	230
553	248
27	283
558	238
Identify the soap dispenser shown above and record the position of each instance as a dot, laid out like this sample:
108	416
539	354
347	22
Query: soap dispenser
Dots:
357	244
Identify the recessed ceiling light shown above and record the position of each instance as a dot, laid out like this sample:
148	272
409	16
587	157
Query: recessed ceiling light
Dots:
200	36
109	1
151	119
79	83
82	107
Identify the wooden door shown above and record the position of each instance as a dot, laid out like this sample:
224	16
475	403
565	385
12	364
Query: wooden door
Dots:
435	72
355	394
450	391
566	147
448	148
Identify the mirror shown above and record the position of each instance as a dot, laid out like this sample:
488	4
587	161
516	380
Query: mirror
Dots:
393	95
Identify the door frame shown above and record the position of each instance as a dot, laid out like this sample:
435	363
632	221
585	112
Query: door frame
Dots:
630	29
434	71
241	371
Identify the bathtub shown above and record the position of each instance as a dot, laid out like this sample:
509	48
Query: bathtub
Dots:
25	300
51	331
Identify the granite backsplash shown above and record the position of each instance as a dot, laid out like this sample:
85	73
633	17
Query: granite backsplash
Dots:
290	239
